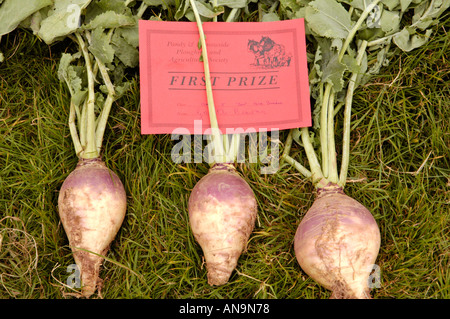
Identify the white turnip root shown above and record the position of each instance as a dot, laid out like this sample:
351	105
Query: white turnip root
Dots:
92	199
337	243
222	206
338	240
222	213
92	205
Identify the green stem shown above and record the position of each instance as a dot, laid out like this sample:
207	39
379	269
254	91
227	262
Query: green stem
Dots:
324	129
73	130
232	15
338	108
232	148
329	164
332	166
347	118
317	176
328	172
215	5
91	150
103	117
303	170
355	28
142	9
287	146
78	114
236	138
217	139
83	122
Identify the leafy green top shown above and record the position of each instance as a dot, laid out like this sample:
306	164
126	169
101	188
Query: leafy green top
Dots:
348	41
106	32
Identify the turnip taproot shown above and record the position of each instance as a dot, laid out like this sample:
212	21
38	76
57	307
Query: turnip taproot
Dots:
337	243
222	206
92	199
92	205
222	213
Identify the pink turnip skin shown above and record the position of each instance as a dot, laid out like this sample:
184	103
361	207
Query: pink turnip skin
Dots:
337	242
222	213
92	205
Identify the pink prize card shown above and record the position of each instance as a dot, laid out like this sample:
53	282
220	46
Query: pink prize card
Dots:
258	71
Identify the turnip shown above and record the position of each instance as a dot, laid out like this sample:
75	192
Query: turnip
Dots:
222	213
222	206
92	199
338	239
92	205
337	243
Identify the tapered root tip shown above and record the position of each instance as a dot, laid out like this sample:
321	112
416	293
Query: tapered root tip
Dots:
89	266
88	291
217	276
90	284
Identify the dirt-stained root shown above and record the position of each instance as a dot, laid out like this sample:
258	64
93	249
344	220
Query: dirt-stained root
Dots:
89	266
92	205
220	266
337	243
340	290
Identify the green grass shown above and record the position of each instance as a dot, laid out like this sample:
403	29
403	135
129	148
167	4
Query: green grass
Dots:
399	169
